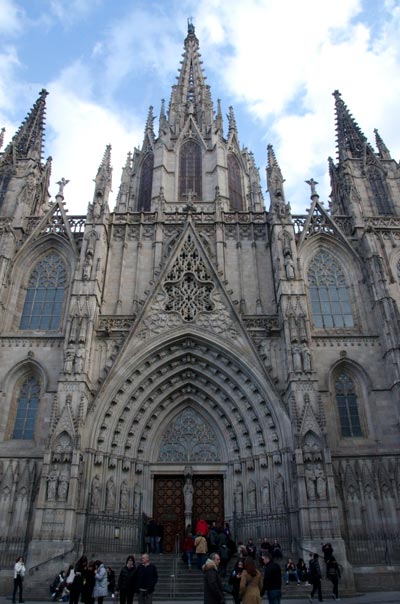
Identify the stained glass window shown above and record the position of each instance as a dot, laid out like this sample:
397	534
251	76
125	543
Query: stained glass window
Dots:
45	294
190	170
379	191
346	400
328	292
235	184
146	183
27	406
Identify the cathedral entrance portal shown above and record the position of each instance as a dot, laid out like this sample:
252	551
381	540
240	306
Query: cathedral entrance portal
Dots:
169	506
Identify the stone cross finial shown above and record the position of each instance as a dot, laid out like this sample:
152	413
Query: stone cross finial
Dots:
62	184
312	184
190	207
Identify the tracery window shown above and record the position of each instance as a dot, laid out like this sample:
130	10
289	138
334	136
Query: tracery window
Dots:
45	294
190	170
328	292
379	191
27	406
189	438
346	400
235	183
146	183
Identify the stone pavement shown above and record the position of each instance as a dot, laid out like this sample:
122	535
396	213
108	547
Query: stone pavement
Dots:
387	597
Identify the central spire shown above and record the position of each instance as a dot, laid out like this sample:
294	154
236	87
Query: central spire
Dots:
191	95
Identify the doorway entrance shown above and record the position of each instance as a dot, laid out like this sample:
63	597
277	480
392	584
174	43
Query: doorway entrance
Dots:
169	507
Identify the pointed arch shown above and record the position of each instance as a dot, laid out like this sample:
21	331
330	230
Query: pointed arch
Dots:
44	298
347	404
328	290
27	403
379	190
146	183
235	183
190	170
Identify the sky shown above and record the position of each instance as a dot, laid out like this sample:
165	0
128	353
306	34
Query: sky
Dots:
276	61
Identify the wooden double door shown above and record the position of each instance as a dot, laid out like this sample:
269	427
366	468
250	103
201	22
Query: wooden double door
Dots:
169	507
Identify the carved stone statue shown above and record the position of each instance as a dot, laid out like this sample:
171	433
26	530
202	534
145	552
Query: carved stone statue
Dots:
310	481
110	494
63	485
188	491
239	498
320	482
69	359
136	499
289	268
87	267
52	482
80	360
296	354
251	494
306	358
95	500
124	498
265	496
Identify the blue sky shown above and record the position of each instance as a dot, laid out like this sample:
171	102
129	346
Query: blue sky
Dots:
276	61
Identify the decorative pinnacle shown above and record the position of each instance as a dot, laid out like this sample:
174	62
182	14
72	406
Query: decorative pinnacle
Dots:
350	138
271	157
190	26
218	119
383	150
62	184
231	121
312	184
2	137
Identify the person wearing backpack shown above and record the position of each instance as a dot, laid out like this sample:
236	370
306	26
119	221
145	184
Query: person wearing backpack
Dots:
315	578
333	574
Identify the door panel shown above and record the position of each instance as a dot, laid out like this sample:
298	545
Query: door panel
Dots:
168	508
208	499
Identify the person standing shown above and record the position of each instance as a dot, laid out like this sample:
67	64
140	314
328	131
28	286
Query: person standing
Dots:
100	590
234	580
200	546
315	578
19	574
251	583
88	584
213	592
126	582
146	580
333	574
75	587
272	584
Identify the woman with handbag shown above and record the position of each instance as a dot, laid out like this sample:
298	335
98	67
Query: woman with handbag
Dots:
251	583
19	574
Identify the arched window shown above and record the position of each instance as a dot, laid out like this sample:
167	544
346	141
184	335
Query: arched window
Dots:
328	292
380	192
45	294
27	406
346	400
190	170
146	183
234	183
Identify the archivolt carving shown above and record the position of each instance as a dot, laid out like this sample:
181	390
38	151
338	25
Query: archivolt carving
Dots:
181	371
189	438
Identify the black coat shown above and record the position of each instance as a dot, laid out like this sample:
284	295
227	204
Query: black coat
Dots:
272	577
213	593
146	577
126	580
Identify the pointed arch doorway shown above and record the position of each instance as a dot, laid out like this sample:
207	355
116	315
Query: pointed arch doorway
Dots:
169	507
189	447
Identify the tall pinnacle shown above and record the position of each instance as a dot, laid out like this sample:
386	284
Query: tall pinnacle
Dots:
232	128
383	150
104	174
28	141
191	95
275	179
350	139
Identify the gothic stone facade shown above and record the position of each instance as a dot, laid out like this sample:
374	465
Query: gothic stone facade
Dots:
190	332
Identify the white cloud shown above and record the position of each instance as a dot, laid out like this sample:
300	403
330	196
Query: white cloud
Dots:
11	18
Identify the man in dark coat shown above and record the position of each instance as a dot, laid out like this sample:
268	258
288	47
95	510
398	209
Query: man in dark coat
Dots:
146	580
315	575
213	593
272	584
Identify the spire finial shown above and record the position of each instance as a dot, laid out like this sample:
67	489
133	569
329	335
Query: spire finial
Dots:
383	150
190	26
62	184
2	137
350	138
312	184
231	121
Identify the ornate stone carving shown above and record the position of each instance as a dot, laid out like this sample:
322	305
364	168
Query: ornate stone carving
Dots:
189	439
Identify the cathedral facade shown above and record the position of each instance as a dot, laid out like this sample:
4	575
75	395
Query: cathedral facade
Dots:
190	336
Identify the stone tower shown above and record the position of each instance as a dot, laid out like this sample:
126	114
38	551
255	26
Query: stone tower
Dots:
191	355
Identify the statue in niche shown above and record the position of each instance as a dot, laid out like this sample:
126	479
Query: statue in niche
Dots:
279	490
296	354
95	500
69	359
87	266
239	498
80	359
289	268
310	481
136	499
320	482
52	482
124	498
264	349
251	495
110	494
188	491
287	251
306	358
63	485
265	495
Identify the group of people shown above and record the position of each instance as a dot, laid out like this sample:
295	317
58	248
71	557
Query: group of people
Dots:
247	584
90	581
